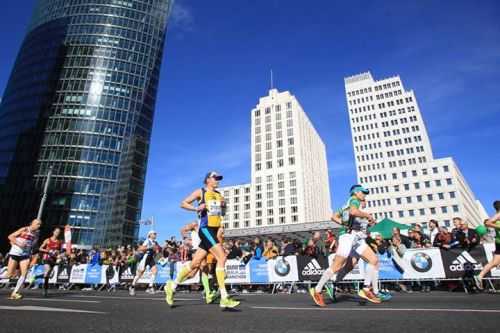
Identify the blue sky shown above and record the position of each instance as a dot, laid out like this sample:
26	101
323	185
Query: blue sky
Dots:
216	65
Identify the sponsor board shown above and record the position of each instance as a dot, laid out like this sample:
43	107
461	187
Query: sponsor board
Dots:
93	274
78	273
258	271
237	272
421	264
283	269
459	263
311	269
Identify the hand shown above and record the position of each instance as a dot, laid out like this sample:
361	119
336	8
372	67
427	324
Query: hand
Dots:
201	208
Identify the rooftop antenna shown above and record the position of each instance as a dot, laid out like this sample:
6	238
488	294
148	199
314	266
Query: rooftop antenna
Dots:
272	85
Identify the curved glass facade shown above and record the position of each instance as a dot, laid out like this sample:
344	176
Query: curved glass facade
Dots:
81	99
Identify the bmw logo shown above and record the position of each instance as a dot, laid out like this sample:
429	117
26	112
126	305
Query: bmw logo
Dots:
421	262
282	267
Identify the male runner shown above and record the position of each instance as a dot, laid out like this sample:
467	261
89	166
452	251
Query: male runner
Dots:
349	266
352	242
210	209
493	222
148	250
22	243
50	248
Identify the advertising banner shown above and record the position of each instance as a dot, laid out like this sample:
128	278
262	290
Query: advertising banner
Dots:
78	273
237	272
93	274
422	264
63	274
258	271
459	263
283	269
311	269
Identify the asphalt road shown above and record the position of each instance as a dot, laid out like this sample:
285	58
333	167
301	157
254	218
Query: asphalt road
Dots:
77	311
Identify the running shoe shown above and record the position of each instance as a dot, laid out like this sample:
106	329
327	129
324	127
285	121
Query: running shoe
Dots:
479	282
330	291
150	290
317	297
16	296
169	293
384	296
210	297
131	291
228	303
368	295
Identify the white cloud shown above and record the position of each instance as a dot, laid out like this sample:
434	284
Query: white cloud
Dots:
181	18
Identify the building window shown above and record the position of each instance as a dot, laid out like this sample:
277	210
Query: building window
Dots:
401	213
452	195
422	211
404	174
427	184
455	208
417	186
444	210
407	187
435	170
446	168
411	212
419	198
429	197
441	196
295	218
408	199
291	160
449	181
438	182
433	210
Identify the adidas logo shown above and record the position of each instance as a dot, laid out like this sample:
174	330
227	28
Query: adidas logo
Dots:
463	261
313	268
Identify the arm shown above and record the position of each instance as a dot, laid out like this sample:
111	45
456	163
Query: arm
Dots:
43	246
491	223
336	218
188	227
187	203
12	237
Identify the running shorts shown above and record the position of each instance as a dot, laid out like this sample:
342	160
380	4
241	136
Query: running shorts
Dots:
208	236
18	258
147	260
350	244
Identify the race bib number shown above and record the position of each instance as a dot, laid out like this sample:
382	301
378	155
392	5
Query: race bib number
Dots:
214	208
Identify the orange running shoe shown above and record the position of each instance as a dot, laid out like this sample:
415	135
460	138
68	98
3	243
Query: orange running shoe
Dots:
317	297
369	295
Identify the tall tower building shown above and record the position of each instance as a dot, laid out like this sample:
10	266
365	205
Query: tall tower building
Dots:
81	99
289	180
394	157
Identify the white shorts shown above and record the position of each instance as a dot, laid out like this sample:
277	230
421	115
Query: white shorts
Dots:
195	240
351	244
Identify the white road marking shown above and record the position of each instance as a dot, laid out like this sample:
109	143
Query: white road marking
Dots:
46	309
377	309
134	297
58	300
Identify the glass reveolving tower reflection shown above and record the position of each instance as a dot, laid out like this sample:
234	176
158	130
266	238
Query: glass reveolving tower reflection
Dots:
81	98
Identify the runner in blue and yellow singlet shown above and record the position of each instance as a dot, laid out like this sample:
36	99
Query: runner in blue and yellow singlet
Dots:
210	210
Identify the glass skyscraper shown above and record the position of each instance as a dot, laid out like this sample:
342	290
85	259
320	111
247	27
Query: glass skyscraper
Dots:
81	99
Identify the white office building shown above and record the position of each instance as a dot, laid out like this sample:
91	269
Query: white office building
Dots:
394	157
289	180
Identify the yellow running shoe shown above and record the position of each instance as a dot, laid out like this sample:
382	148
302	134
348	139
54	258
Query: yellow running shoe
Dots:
228	303
169	293
16	296
369	295
210	297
